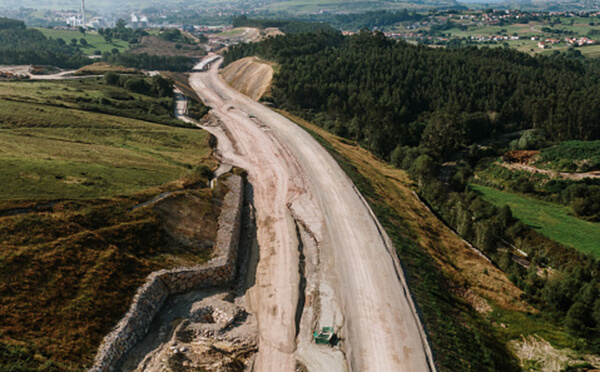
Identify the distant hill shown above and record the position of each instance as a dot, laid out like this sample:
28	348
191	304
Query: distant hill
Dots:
289	6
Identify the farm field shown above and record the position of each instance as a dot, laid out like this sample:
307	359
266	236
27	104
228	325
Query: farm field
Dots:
572	27
50	150
554	221
94	40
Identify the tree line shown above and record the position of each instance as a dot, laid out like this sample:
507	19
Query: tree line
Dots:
19	46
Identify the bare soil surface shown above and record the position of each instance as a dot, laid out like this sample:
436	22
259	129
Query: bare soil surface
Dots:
249	76
536	351
324	260
26	71
206	330
554	174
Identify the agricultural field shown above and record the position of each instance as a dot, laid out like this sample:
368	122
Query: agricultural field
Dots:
554	221
71	182
94	40
558	27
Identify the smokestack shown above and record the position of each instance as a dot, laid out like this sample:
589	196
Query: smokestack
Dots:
83	13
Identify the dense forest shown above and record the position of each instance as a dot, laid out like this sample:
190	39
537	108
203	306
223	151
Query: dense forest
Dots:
19	45
370	20
151	62
286	26
420	107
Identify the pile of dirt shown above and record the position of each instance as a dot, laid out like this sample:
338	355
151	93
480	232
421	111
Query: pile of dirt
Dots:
101	68
43	70
535	351
250	76
520	156
189	220
204	330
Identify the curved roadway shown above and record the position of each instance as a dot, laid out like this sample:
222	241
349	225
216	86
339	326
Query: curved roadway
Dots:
351	279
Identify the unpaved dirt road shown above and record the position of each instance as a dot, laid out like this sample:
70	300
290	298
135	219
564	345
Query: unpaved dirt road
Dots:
551	173
324	258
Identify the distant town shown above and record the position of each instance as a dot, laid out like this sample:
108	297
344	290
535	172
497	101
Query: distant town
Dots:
533	32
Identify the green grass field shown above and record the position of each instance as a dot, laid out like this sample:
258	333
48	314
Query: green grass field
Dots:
94	40
554	221
49	152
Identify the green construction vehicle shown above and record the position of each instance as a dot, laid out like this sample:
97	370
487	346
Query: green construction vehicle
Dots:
324	336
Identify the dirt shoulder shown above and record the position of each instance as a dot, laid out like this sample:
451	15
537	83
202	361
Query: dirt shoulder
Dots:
553	174
249	76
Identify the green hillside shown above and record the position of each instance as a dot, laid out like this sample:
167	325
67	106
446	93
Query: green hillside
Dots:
554	221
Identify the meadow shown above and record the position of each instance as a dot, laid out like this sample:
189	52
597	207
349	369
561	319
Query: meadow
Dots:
94	40
552	220
50	152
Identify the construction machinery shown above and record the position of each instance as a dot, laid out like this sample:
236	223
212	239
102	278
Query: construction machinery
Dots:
324	336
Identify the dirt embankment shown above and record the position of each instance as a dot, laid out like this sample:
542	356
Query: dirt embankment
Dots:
249	76
550	173
526	161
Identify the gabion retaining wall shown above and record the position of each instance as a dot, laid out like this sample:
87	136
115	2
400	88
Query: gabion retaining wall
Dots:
159	285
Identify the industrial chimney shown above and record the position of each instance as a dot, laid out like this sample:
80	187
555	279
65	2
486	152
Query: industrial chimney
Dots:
83	13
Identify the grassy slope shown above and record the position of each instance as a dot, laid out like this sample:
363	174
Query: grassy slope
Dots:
79	264
554	221
51	149
94	40
86	94
52	152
